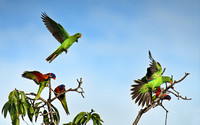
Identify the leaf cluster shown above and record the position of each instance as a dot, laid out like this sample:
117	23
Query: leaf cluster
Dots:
83	118
17	105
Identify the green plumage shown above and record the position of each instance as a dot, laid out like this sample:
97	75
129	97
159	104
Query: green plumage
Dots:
60	35
142	91
42	85
64	103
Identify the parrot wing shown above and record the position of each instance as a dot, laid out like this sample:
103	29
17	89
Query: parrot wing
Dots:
33	75
63	101
155	69
141	97
55	28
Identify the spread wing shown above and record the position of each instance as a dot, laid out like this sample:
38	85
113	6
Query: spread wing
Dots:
55	28
32	75
141	98
154	70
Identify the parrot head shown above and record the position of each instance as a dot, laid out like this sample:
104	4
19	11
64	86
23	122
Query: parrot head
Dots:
168	97
62	87
78	35
51	75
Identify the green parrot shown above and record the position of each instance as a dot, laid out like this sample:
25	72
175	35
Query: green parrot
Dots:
142	91
60	35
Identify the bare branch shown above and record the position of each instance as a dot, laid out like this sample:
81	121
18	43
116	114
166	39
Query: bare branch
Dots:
70	89
179	96
186	74
40	98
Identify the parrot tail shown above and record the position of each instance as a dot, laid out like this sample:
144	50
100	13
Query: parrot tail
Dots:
64	104
141	97
52	57
39	91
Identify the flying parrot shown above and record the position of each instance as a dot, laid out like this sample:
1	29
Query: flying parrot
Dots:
144	87
60	35
163	97
39	79
62	98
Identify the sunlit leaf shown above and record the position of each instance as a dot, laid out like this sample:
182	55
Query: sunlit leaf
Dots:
78	117
10	97
88	117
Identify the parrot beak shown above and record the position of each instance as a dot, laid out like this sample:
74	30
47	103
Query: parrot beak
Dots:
171	82
54	78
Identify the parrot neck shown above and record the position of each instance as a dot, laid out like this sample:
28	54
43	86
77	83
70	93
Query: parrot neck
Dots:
166	79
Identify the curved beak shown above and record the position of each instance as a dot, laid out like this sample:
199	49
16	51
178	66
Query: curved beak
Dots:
54	78
171	82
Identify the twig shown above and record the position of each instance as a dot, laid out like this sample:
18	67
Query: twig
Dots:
49	105
40	98
179	96
70	89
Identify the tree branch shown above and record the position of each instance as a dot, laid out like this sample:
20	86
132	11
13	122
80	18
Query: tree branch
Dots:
70	89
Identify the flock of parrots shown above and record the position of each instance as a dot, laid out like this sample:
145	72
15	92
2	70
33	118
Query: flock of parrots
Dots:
142	91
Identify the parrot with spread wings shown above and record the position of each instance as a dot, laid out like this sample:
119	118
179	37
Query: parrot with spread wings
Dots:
62	98
142	90
60	35
39	78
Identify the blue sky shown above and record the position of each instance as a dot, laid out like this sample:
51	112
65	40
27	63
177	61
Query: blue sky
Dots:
113	51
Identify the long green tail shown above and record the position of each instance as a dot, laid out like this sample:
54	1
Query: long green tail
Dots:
64	104
41	87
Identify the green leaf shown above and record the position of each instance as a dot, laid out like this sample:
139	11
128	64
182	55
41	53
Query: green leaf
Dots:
88	117
94	120
83	120
36	113
36	105
23	97
78	117
6	108
70	123
10	97
24	108
30	112
57	115
16	104
21	109
12	113
16	95
97	117
45	117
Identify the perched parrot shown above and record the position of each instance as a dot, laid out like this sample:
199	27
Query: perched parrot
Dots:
164	96
62	97
39	79
142	91
60	35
